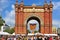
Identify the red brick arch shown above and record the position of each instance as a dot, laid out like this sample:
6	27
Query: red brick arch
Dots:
43	14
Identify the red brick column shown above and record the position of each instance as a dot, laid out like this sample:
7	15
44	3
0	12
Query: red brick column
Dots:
46	22
50	22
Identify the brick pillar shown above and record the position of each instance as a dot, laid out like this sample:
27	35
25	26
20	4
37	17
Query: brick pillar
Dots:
46	22
20	22
16	21
50	22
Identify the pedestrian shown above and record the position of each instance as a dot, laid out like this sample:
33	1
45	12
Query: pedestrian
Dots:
50	38
57	38
25	38
46	38
43	38
14	38
39	37
3	38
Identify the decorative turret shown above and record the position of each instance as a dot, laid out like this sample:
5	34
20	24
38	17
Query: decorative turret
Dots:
50	6
33	4
16	1
45	4
16	5
22	3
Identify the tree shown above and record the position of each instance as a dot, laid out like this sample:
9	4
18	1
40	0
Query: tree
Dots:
1	22
12	31
9	30
28	31
35	31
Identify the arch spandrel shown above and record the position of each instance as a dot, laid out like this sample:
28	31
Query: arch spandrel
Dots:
42	23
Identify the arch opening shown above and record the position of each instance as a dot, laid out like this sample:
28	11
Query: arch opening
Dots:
33	21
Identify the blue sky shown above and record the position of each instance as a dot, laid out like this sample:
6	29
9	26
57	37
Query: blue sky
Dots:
7	10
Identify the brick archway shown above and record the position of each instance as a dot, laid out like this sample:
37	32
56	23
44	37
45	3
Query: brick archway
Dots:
43	14
33	18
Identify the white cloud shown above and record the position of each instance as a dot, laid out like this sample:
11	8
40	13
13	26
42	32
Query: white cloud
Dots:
56	23
10	17
4	4
56	5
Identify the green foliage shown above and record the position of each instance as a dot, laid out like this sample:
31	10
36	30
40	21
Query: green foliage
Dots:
9	30
28	31
35	31
1	22
12	31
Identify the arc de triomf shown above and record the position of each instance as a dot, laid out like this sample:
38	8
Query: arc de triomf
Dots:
42	14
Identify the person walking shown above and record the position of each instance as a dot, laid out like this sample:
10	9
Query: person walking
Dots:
3	38
43	38
39	38
46	38
50	38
